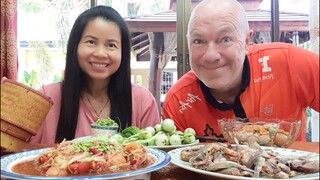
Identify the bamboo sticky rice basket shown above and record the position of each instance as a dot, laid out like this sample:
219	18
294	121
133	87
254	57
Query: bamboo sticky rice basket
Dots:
22	111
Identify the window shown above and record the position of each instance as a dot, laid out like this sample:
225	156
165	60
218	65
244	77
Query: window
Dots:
43	30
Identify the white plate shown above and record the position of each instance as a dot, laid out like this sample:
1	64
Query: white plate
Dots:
157	147
175	159
8	161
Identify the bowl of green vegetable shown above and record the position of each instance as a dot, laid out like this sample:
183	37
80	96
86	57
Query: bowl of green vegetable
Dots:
104	127
162	136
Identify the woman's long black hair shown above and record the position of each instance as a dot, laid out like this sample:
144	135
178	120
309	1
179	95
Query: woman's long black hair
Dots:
73	84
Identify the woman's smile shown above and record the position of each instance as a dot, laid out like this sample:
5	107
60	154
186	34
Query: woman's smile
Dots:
99	65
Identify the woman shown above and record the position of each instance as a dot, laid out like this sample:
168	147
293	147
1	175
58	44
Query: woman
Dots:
96	81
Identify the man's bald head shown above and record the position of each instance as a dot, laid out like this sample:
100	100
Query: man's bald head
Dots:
230	8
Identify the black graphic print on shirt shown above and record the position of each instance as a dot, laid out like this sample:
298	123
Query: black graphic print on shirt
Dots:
209	131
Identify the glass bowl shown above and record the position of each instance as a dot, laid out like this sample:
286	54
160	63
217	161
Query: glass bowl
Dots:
266	132
106	131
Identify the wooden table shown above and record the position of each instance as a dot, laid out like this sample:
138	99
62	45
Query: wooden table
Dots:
173	172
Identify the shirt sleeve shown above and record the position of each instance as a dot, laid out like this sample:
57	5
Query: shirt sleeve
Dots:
47	131
37	138
170	109
144	108
305	73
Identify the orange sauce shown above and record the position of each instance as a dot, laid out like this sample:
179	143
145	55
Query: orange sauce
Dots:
29	168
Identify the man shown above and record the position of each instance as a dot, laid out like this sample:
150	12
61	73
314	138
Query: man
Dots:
230	79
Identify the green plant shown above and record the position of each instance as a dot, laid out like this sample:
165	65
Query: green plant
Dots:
44	62
56	78
29	78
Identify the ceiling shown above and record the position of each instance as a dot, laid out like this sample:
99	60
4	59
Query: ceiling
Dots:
259	21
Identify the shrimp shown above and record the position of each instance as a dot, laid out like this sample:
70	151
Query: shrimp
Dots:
55	170
116	161
136	154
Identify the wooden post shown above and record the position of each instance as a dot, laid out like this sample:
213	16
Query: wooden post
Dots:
183	15
156	49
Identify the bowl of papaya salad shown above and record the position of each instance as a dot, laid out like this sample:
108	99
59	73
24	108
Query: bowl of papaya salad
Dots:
97	158
104	127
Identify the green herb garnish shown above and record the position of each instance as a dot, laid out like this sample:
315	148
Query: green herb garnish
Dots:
106	122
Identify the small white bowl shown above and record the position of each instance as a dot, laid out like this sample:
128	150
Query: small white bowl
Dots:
106	131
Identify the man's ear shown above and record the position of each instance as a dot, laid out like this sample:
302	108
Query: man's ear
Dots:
248	37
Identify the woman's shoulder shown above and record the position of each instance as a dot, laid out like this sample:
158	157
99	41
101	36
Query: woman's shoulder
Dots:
137	88
51	89
140	92
52	85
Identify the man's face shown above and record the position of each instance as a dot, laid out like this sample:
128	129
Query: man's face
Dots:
217	47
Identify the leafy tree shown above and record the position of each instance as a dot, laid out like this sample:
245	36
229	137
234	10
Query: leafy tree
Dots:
64	10
44	62
30	6
107	2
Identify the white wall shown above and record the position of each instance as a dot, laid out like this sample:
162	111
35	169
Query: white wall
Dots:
315	126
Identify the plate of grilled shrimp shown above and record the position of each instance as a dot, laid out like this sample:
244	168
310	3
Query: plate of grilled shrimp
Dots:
247	161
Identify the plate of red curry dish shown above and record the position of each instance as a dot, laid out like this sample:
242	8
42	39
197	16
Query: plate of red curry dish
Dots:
91	158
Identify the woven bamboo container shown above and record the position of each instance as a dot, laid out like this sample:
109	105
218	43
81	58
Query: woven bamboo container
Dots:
22	111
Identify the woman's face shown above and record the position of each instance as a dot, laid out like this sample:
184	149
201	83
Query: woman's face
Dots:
99	49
